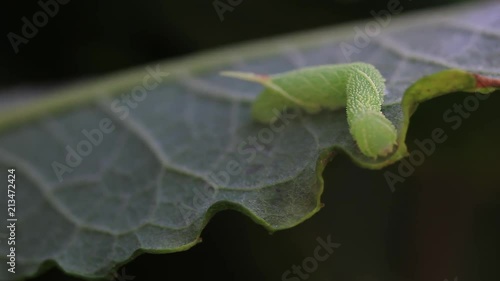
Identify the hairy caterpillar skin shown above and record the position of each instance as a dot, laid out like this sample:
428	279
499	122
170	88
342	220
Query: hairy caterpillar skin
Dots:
359	87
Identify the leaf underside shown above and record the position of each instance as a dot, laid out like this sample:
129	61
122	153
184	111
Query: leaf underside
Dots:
149	186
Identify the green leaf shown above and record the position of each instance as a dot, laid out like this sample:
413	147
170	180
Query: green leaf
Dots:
154	182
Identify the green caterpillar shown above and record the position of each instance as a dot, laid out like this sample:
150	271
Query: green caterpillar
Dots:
359	87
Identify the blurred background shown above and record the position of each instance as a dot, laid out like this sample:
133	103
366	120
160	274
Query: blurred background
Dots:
441	223
87	38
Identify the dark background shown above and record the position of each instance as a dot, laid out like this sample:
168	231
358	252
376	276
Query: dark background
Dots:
94	37
442	222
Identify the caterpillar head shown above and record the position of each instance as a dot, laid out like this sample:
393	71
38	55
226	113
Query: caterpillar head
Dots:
374	133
